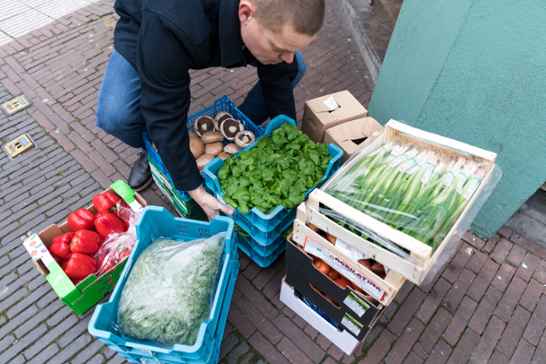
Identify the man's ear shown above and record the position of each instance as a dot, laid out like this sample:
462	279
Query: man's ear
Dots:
246	11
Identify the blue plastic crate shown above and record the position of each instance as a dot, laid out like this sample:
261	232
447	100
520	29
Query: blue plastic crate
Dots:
263	243
267	222
154	223
167	185
262	261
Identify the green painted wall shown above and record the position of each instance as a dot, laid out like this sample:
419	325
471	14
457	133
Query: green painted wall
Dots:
474	70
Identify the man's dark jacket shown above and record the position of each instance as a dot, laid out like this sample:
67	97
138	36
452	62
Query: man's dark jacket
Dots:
163	40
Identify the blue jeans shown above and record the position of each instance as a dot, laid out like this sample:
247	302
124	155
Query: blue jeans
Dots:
118	109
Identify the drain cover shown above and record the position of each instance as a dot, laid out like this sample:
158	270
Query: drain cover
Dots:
18	145
15	105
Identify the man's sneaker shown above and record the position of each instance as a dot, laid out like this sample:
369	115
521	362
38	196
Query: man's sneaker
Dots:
140	177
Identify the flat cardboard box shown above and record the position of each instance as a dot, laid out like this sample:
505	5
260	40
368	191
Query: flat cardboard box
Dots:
353	134
330	110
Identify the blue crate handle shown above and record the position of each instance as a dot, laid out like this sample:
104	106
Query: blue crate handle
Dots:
209	172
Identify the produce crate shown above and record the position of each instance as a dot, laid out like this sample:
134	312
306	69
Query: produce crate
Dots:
89	291
340	338
180	199
382	289
266	222
263	256
423	263
157	222
345	307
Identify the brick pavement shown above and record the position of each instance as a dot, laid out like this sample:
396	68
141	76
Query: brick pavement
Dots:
488	305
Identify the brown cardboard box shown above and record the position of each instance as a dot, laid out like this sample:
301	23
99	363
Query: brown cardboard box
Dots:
351	134
330	110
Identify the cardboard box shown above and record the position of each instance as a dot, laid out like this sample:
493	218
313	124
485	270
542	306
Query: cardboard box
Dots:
327	111
88	292
352	135
340	338
346	308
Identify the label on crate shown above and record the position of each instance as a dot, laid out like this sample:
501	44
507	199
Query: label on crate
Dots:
352	325
345	269
356	304
36	248
349	251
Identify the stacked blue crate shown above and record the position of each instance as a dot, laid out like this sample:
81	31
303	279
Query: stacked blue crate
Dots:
157	222
261	235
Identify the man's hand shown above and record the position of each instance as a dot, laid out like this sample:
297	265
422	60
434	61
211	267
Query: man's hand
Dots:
209	203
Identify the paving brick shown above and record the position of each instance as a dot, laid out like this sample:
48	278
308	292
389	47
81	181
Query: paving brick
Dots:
530	297
528	266
488	341
498	358
76	345
483	279
291	351
311	332
460	320
458	290
461	353
540	352
540	273
229	343
455	267
252	314
389	312
501	251
413	358
516	256
256	298
404	292
335	352
406	311
20	345
510	299
238	352
513	332
55	332
476	262
266	349
380	349
503	277
433	300
524	353
301	340
536	326
403	345
237	318
45	354
481	316
440	353
323	342
490	244
435	329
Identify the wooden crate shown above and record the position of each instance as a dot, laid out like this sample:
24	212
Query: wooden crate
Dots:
383	290
422	258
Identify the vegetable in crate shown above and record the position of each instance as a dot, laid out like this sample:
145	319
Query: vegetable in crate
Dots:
80	219
107	223
418	191
169	290
277	171
105	201
60	246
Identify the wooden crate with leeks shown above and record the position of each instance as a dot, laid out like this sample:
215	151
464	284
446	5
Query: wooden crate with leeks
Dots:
406	199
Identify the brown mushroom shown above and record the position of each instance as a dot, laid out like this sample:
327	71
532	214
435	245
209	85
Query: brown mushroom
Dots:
221	116
244	138
231	148
212	137
214	148
224	155
204	124
197	147
203	160
229	127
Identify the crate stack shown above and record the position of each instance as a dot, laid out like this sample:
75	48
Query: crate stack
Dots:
157	222
376	259
262	236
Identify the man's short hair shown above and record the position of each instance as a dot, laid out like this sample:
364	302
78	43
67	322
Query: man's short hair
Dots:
306	16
